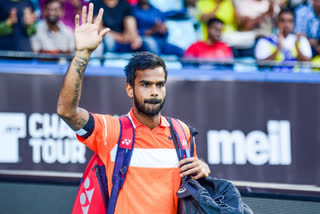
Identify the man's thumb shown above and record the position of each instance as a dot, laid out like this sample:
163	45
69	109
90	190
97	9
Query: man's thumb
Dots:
104	32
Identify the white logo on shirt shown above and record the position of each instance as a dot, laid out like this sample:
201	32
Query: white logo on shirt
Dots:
126	141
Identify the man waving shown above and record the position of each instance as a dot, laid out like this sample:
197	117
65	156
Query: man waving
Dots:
154	174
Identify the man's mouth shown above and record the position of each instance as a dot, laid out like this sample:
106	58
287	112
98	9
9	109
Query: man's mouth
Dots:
152	101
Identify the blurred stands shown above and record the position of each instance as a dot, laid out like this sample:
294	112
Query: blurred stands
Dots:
183	21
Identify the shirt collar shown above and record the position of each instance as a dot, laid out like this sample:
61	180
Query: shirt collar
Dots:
136	123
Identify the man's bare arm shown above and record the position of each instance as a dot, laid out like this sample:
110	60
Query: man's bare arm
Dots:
87	38
70	92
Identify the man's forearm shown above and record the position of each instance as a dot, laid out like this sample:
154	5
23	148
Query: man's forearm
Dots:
70	92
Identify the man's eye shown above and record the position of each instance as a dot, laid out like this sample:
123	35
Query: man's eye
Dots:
160	85
145	84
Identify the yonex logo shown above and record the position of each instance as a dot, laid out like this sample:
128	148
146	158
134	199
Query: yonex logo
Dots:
126	142
184	142
86	195
182	190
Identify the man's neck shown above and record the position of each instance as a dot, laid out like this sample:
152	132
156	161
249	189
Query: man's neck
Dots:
286	35
53	28
111	3
148	121
210	41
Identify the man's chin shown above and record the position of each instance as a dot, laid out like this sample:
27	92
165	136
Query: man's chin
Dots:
152	112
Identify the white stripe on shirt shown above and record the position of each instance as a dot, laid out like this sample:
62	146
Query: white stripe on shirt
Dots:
151	158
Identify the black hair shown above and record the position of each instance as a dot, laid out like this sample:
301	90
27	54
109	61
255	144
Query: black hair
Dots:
213	21
47	2
142	61
285	10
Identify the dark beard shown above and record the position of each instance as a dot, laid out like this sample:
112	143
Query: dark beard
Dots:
52	20
151	112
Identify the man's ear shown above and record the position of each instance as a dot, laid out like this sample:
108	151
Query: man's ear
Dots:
129	90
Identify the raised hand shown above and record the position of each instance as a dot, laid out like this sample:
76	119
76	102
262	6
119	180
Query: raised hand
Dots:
12	19
87	35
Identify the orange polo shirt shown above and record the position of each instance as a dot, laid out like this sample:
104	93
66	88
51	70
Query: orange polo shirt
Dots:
153	177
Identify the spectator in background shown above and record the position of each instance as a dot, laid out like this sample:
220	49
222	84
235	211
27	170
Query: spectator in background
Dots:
17	24
293	4
225	10
285	46
53	36
222	9
168	6
191	8
212	47
118	16
256	20
258	17
70	9
153	30
307	22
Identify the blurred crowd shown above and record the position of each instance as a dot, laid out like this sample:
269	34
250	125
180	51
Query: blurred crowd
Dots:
280	30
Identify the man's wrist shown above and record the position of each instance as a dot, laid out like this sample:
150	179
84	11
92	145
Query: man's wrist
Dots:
83	54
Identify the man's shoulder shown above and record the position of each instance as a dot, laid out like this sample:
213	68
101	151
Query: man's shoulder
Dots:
273	38
184	125
222	44
303	10
42	26
198	44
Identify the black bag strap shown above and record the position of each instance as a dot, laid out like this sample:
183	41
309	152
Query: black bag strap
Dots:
193	133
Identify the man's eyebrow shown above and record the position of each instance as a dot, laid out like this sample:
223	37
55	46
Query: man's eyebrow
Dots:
150	82
145	81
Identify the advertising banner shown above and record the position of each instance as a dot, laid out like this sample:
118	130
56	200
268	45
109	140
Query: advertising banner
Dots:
248	131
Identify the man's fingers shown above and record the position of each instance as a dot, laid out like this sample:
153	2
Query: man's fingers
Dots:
99	17
90	13
191	172
76	21
104	32
186	160
188	166
84	15
199	175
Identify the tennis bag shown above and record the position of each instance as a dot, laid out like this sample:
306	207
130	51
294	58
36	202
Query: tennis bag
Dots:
206	195
92	196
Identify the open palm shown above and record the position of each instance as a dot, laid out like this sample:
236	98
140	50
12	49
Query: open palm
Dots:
87	36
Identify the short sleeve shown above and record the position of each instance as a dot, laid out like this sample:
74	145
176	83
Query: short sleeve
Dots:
262	50
191	51
98	135
305	47
104	135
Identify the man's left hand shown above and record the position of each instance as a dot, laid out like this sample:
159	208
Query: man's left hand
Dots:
194	167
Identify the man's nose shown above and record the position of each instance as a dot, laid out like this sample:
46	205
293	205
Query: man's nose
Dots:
154	90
